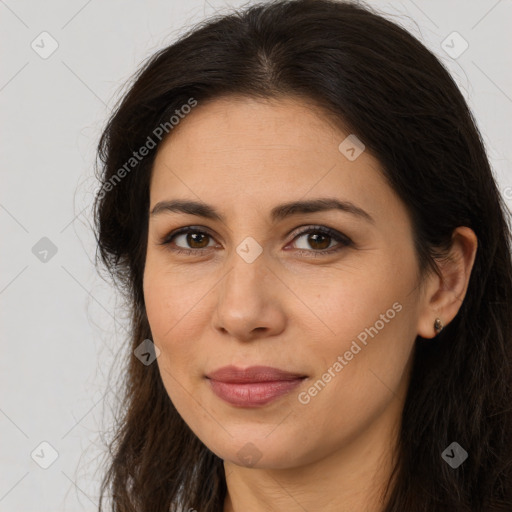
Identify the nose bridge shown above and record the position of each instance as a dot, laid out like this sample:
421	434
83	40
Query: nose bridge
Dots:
247	266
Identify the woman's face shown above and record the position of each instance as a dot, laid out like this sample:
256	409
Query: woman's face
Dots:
261	286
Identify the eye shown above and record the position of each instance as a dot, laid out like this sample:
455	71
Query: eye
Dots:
319	238
196	238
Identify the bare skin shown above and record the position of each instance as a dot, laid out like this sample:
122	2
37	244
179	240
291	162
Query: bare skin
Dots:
294	307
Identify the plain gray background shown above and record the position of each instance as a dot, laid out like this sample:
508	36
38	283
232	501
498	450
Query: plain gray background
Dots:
61	324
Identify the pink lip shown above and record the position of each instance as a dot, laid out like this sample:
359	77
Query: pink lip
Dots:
254	386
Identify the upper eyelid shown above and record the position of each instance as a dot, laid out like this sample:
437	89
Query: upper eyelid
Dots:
298	231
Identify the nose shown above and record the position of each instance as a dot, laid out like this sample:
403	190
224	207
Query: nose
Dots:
250	300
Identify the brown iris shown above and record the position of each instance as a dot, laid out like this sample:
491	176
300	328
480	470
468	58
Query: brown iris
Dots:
194	237
313	239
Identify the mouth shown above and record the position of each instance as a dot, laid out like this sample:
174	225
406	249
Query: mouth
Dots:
254	386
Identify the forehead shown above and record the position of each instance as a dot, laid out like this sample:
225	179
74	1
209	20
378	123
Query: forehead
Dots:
268	150
253	123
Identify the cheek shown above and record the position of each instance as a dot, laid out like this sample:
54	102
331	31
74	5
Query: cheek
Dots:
171	298
177	305
354	300
360	372
372	322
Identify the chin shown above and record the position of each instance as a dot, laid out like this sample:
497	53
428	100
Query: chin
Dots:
260	452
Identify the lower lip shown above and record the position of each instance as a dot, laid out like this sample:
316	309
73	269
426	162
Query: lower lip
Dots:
253	394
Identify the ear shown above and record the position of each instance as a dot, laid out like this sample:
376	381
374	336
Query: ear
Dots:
444	295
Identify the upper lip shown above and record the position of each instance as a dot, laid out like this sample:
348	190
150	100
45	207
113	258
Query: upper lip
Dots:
235	375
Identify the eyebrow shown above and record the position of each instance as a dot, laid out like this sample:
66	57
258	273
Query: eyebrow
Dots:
277	213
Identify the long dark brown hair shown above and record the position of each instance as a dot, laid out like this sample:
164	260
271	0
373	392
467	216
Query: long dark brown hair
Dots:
384	86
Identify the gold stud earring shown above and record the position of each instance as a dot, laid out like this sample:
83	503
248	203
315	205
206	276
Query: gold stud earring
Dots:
438	325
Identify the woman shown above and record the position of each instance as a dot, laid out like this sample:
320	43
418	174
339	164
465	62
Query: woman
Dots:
299	207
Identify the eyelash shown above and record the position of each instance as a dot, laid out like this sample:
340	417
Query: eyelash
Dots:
343	240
